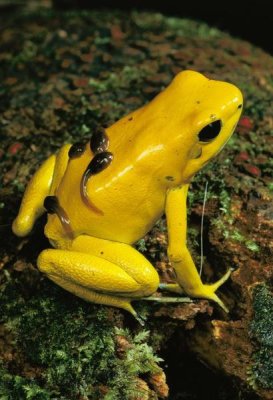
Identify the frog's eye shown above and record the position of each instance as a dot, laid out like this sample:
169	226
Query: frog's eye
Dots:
210	131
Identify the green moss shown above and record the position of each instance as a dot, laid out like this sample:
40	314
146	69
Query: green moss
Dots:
26	55
141	245
229	232
127	76
251	245
238	236
14	387
217	189
261	329
138	359
177	26
74	344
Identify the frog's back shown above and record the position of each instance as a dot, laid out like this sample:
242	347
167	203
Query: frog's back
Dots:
151	151
130	192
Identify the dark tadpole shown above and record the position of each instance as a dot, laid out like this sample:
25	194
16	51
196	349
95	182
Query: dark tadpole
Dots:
97	164
76	150
52	206
99	141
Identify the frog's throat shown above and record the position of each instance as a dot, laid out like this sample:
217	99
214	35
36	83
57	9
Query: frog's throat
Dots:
52	205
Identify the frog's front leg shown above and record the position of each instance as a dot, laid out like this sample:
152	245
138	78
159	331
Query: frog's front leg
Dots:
180	257
101	271
32	203
42	184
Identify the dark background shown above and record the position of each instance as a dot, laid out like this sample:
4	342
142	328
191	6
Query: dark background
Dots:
251	20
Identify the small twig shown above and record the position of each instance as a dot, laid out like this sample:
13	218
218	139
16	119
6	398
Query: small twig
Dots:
202	228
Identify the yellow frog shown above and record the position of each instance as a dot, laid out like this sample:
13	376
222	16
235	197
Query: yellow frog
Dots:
103	196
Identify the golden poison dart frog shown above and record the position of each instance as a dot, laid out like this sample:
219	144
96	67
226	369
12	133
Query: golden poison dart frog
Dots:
103	196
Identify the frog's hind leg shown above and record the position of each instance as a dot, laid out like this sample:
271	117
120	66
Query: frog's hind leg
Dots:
91	295
101	271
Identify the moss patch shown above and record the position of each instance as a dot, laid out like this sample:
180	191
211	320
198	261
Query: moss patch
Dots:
14	387
261	330
74	349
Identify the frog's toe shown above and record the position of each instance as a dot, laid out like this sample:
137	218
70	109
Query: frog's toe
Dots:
220	282
217	300
139	319
208	291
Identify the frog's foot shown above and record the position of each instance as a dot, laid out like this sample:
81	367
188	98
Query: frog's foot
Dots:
201	291
171	287
208	291
165	299
139	319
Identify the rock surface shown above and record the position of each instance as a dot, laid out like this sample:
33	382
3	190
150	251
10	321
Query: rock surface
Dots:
69	73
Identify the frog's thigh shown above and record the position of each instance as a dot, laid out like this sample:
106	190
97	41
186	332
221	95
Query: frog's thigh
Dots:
134	264
89	277
97	279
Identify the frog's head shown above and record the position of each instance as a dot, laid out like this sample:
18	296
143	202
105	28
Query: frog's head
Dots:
205	115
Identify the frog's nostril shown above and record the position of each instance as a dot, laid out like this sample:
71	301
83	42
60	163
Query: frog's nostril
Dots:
240	106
